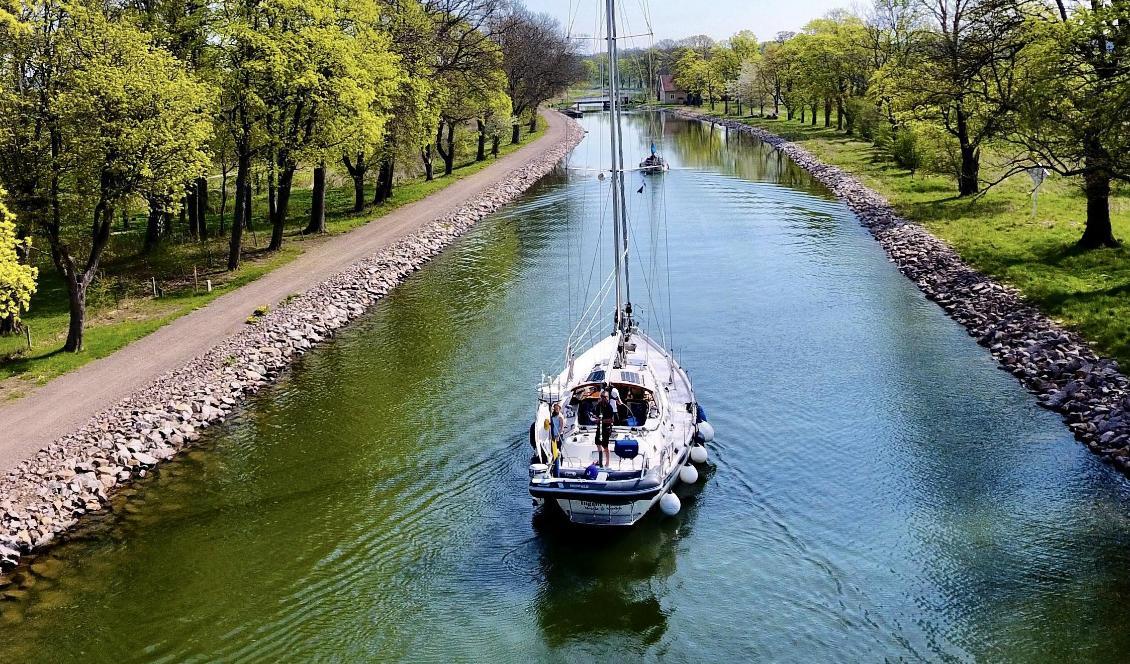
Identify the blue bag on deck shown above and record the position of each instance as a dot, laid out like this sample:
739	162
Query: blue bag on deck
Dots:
627	448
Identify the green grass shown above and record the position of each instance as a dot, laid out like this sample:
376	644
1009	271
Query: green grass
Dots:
121	306
997	233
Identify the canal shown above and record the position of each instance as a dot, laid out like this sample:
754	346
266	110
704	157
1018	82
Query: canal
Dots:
878	489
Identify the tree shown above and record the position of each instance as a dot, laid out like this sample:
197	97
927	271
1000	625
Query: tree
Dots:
17	278
722	68
328	73
539	61
412	29
465	62
960	75
692	73
118	117
1074	91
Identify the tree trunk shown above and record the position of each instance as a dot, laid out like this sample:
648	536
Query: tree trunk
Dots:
202	206
318	202
813	114
272	190
76	304
515	133
969	171
803	114
223	201
839	112
78	280
192	210
242	192
384	181
494	145
969	174
481	153
357	170
533	119
827	112
726	106
248	208
449	156
426	157
153	226
282	205
1096	185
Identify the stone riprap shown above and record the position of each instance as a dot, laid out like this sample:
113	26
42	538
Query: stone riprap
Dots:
46	495
1057	365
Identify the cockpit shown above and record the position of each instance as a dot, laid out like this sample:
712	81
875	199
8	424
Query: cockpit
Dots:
638	404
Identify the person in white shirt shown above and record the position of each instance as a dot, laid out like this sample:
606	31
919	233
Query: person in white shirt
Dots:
614	399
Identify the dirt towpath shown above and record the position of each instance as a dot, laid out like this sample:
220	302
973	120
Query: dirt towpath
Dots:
67	402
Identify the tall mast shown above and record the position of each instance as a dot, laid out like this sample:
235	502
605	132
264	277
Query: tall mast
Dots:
619	209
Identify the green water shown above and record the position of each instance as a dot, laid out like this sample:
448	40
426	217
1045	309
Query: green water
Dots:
878	490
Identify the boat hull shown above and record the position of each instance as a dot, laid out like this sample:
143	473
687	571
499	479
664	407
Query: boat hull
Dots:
598	507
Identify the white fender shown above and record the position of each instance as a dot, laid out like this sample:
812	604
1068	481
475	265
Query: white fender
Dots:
688	474
670	504
698	453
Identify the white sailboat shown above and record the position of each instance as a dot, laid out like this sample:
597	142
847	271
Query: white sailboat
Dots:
659	430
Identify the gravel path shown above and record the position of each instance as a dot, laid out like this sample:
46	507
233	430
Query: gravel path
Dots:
66	403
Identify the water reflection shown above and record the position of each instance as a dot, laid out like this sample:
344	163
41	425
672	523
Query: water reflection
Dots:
598	588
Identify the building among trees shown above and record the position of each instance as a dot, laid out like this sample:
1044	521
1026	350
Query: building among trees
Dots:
668	92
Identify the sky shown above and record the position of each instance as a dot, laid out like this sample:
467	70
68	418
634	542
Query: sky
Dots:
673	19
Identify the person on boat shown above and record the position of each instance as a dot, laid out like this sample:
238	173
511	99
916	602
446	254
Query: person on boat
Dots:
606	415
556	426
614	399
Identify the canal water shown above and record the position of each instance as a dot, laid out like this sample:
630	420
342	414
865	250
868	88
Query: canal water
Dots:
878	489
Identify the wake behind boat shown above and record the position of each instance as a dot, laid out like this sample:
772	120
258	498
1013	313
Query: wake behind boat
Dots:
620	426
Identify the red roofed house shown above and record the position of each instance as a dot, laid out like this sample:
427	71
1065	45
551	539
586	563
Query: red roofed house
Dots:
669	93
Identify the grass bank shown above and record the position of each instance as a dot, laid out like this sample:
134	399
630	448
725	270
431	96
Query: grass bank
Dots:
121	303
998	233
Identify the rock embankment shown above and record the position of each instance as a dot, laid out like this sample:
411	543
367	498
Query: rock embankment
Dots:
1057	365
46	495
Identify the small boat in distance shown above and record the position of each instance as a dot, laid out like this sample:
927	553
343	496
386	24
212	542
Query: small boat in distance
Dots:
653	163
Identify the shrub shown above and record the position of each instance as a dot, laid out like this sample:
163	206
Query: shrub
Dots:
903	146
865	119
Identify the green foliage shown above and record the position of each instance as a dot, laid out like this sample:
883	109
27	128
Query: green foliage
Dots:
903	147
17	279
131	118
868	120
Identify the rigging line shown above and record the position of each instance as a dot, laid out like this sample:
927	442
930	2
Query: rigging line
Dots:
667	249
641	34
647	287
592	311
572	18
596	254
646	17
592	315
